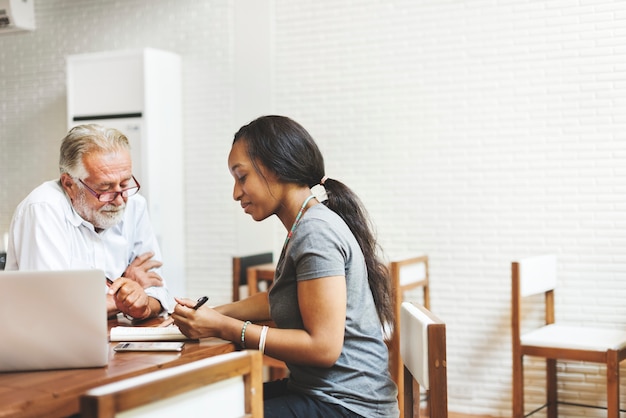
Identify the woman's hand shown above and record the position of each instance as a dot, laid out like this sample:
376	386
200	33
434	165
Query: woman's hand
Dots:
201	323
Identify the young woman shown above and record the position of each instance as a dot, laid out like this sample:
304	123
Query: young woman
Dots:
331	293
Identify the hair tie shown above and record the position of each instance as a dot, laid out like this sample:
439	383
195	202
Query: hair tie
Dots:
319	192
323	180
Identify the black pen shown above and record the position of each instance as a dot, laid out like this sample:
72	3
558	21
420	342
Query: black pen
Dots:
201	302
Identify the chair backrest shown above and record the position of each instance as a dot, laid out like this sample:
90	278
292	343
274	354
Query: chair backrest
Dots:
406	274
532	276
410	273
227	385
536	274
240	269
423	351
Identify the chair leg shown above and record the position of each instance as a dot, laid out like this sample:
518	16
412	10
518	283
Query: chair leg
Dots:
418	395
612	384
398	375
551	382
408	401
518	386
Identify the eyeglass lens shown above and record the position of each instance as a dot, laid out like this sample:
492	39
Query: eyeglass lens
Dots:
111	196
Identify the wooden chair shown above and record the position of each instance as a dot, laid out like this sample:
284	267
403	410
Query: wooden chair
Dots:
537	275
406	274
249	270
228	385
240	271
261	273
423	350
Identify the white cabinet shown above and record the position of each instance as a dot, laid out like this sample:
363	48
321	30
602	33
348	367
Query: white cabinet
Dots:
139	93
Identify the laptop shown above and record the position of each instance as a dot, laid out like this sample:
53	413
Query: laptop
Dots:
53	320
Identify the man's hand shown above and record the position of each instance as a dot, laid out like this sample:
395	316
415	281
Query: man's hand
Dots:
141	271
131	299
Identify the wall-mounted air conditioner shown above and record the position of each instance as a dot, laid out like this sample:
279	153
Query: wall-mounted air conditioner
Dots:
17	15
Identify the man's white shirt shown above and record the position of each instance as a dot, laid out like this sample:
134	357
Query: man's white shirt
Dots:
46	233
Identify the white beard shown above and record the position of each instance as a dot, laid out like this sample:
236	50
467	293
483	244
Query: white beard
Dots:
107	216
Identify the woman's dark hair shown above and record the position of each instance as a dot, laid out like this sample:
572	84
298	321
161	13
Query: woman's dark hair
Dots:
283	146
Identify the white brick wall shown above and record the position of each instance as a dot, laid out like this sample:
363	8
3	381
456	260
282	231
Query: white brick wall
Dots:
475	131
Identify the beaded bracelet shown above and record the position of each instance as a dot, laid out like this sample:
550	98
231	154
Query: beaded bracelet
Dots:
243	334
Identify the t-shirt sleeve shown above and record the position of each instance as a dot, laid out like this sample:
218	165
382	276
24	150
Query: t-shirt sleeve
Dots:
321	251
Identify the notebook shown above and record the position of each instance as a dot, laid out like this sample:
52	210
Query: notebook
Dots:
53	320
169	333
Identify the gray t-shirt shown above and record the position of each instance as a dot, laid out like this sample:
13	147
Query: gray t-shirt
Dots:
321	246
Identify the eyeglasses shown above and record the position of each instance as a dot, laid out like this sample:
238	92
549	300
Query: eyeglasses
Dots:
111	196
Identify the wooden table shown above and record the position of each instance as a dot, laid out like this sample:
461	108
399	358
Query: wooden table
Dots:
56	393
261	272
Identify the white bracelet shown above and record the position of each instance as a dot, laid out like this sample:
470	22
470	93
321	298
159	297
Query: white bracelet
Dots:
262	338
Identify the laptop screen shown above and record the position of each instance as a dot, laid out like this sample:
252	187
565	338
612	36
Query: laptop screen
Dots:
53	320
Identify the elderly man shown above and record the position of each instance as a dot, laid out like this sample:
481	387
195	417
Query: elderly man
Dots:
92	217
